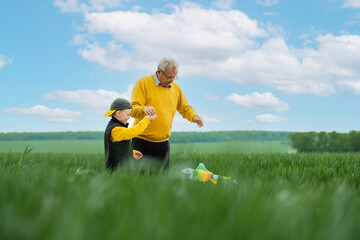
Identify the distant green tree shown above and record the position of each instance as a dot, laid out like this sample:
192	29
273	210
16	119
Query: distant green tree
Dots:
326	142
335	143
303	142
354	141
322	142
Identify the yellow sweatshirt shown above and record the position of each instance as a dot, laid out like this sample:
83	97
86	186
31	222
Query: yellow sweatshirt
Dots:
165	102
122	133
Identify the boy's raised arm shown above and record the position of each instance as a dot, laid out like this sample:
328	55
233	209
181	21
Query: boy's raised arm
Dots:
121	133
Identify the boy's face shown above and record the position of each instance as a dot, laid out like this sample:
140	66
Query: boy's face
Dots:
123	115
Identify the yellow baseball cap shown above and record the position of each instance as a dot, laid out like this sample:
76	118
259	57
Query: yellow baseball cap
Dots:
118	104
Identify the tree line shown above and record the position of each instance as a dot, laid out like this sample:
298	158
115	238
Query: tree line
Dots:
176	137
301	141
228	136
326	142
29	136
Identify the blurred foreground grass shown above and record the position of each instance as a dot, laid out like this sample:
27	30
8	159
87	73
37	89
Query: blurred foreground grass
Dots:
278	196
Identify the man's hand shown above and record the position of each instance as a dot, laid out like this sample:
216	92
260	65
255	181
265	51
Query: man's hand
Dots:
149	110
198	120
138	155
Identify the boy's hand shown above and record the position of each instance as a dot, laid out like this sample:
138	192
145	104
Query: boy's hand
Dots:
150	110
138	155
152	117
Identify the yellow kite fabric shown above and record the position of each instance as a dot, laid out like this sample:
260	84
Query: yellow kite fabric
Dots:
202	174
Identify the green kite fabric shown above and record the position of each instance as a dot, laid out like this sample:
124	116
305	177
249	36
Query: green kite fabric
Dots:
202	174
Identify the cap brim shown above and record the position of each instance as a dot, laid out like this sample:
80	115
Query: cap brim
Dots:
109	113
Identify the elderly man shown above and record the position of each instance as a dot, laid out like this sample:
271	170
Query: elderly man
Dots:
159	94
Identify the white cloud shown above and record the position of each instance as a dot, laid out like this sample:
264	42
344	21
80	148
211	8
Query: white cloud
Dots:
87	5
91	101
181	124
178	119
265	102
220	44
209	119
300	71
67	5
267	3
210	97
268	118
193	34
114	57
222	4
350	86
47	114
352	3
79	39
4	61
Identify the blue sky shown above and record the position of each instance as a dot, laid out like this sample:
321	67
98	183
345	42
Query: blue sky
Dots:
271	65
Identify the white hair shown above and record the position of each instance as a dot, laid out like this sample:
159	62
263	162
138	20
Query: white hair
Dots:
166	62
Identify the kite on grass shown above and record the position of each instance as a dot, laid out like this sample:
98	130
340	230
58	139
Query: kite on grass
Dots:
202	174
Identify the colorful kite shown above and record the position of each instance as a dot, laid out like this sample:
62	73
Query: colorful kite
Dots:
202	174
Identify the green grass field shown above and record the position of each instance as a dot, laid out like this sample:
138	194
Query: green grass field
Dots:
54	146
97	146
277	196
234	147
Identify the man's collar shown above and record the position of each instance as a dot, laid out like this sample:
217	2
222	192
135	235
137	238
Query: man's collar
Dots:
157	81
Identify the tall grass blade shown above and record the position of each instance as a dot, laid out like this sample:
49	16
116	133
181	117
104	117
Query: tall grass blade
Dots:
26	151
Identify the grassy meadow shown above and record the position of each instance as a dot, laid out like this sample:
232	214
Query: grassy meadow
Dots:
97	146
54	146
51	195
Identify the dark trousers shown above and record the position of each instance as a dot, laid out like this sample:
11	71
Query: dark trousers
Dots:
156	155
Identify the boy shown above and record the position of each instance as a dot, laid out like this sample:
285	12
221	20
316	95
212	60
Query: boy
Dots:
117	138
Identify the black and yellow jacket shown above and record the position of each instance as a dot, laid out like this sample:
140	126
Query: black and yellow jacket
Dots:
117	142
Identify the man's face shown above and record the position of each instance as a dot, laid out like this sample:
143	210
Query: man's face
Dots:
167	77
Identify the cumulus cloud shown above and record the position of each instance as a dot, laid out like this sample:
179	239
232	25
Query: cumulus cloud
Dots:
114	56
220	44
268	118
267	3
87	6
210	97
91	101
265	102
209	119
300	71
79	39
350	86
178	119
47	114
4	61
193	34
352	3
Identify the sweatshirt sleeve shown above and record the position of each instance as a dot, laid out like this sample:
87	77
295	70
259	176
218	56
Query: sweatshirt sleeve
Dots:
122	133
138	99
184	108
